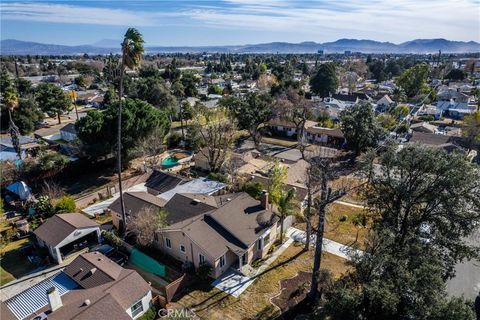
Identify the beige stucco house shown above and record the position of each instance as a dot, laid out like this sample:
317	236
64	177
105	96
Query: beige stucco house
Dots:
234	232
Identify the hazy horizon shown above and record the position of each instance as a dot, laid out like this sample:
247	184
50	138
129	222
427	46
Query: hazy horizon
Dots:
238	22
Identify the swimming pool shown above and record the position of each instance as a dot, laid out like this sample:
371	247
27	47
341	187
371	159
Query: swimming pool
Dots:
169	161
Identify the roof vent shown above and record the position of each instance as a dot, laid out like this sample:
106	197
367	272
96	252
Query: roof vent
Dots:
86	302
229	199
92	271
99	259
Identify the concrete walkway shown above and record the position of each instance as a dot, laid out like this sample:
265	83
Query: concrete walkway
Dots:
350	204
98	208
329	246
234	283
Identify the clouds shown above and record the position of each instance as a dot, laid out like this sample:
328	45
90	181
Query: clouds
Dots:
383	20
320	20
74	14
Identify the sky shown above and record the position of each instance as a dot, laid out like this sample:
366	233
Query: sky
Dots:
235	22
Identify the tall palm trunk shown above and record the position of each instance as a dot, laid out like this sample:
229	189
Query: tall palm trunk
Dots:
119	153
181	122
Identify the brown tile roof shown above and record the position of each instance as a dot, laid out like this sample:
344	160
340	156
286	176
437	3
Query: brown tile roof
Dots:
58	227
104	270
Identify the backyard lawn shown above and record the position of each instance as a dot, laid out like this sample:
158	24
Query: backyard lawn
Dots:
339	225
254	303
14	262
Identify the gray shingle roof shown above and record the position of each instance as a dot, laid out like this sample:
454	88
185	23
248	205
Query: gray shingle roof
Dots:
58	227
185	206
136	202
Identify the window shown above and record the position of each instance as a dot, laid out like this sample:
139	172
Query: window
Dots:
259	244
137	308
266	239
168	243
182	248
222	261
201	258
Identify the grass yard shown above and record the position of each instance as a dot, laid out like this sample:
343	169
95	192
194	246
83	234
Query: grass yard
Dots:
349	183
14	262
339	226
254	302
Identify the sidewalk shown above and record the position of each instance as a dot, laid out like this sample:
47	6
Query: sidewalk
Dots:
234	283
350	204
329	246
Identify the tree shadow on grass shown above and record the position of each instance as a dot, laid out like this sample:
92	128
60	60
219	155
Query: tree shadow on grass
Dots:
221	295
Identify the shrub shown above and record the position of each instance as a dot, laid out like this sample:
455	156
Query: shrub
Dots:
150	314
44	206
427	118
254	189
112	238
65	204
203	271
217	177
343	218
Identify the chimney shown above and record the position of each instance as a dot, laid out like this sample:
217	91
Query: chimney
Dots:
54	299
264	199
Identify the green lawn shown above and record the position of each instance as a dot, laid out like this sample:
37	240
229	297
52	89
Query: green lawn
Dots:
14	262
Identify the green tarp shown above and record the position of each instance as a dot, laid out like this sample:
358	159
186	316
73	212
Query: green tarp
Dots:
146	263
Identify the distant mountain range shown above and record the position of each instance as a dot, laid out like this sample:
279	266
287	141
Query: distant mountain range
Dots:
106	46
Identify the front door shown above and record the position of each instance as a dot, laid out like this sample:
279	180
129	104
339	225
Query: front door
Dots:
244	259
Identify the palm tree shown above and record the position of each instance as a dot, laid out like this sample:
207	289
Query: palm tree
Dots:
10	99
285	207
132	50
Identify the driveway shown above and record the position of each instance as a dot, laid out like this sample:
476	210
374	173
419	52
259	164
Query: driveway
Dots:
467	278
234	283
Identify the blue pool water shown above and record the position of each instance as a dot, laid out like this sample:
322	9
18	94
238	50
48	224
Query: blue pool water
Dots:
169	161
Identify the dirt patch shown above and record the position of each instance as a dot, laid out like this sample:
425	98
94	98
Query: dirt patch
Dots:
293	291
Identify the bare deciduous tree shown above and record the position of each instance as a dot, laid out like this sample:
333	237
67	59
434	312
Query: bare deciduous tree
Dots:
293	107
151	148
144	225
324	170
218	136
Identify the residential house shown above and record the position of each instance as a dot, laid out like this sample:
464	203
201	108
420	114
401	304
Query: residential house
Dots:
135	203
28	146
91	287
160	182
67	233
312	133
423	127
385	103
235	233
68	132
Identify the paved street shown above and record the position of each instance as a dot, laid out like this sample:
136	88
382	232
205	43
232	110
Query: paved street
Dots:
467	279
